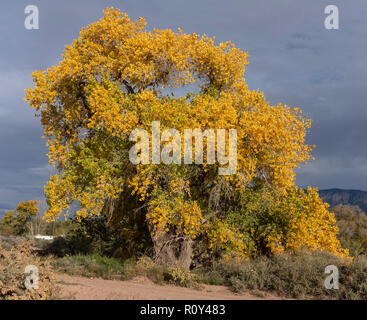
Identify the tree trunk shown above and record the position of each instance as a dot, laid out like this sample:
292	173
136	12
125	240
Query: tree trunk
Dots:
171	252
186	253
164	250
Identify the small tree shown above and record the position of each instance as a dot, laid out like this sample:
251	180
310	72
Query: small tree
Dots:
25	211
7	224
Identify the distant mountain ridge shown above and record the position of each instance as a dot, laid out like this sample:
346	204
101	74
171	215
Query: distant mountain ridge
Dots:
344	196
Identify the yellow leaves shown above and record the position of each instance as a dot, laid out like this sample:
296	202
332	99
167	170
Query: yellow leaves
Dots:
274	244
26	209
222	235
274	138
141	182
184	216
59	194
111	80
311	225
56	153
110	110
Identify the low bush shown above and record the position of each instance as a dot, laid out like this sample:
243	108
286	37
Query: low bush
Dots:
353	280
294	275
95	266
13	261
352	224
146	267
179	276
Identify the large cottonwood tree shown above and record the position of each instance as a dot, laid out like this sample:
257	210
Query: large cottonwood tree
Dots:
118	76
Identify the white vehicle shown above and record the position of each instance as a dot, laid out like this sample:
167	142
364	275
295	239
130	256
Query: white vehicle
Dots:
39	236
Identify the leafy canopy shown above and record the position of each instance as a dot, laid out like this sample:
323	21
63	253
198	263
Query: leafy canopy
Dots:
118	76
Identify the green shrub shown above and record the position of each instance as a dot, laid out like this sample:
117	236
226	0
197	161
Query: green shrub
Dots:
179	276
212	278
94	265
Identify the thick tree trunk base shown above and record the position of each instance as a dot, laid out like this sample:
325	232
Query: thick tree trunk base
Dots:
171	253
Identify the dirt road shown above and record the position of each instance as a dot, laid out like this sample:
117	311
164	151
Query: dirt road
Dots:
140	288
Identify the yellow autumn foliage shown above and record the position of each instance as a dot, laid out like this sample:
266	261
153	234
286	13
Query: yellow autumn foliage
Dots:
117	76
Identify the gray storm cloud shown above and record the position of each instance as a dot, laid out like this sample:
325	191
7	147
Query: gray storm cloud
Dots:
293	60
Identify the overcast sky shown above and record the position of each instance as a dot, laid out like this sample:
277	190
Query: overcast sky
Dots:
293	60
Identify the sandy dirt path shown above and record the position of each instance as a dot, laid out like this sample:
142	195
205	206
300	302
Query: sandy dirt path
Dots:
140	288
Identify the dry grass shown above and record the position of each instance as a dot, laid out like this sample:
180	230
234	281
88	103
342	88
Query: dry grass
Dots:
13	261
293	275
